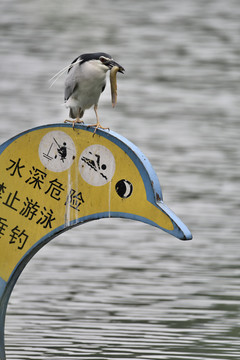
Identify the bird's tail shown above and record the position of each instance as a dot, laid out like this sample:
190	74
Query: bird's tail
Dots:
76	113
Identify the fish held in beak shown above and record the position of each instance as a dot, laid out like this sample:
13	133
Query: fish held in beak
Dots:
113	82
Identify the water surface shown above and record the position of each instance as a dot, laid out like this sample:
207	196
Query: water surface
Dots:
116	289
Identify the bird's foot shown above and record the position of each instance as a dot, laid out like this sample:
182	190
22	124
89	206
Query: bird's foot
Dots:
98	126
77	121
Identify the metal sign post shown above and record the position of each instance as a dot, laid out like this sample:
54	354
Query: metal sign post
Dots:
53	178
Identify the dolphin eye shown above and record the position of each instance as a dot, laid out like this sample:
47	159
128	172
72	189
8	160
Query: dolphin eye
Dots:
124	188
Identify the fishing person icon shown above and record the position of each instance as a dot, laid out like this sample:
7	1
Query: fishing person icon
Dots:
62	150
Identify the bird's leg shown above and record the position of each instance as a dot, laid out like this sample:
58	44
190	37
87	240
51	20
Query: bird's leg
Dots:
97	125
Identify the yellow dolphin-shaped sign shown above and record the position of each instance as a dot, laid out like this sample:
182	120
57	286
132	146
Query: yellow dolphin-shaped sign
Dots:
53	178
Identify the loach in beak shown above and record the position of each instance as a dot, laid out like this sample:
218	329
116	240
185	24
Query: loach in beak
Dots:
114	69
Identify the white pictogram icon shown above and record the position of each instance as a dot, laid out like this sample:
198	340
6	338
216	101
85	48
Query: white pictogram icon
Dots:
97	165
57	151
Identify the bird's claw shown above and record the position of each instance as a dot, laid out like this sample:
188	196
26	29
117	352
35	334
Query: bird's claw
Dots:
78	121
98	126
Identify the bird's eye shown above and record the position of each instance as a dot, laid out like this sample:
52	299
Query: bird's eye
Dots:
103	59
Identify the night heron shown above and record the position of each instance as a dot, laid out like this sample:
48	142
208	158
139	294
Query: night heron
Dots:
86	80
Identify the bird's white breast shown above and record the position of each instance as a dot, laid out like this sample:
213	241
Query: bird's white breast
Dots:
91	78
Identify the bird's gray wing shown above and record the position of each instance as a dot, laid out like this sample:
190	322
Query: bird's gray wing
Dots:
71	83
71	86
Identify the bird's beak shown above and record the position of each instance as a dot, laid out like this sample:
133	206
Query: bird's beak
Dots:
113	63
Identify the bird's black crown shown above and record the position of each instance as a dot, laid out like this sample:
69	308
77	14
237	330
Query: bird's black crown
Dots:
89	56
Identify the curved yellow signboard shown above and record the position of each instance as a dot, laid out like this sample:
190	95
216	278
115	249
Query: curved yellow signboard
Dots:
53	178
